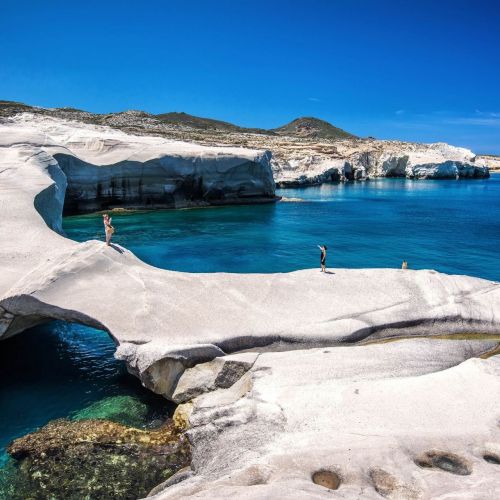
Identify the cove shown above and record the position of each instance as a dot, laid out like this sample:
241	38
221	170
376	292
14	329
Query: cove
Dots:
68	371
447	225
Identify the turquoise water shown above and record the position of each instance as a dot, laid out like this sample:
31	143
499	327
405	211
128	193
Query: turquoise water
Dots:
450	226
57	370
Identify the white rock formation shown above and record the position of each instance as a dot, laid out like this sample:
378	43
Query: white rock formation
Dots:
359	159
106	168
302	398
373	415
491	161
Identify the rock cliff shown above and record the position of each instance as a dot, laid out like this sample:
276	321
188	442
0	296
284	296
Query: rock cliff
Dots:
491	161
306	151
357	159
106	168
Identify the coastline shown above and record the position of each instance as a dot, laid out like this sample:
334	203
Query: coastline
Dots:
251	414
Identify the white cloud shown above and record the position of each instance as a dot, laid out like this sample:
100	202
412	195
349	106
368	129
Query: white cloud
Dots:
400	111
489	114
313	99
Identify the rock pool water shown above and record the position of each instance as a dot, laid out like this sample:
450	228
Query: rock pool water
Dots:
65	370
450	226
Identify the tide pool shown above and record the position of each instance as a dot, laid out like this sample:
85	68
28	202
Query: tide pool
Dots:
451	226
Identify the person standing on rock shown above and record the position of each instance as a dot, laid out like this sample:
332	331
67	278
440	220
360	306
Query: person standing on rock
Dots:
108	228
323	249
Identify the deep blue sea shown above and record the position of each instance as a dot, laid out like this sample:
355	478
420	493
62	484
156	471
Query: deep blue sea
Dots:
60	370
451	226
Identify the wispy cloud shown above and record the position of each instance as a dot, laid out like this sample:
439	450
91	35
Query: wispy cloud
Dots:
468	120
440	118
489	114
313	99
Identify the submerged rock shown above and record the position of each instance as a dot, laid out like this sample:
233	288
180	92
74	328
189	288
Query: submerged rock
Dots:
95	459
125	410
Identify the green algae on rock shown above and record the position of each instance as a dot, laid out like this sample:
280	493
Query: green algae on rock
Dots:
95	459
126	410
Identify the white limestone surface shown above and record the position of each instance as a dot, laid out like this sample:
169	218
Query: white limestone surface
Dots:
359	159
106	167
302	397
345	410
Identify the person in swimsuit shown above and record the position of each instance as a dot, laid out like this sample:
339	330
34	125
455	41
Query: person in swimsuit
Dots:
323	249
108	228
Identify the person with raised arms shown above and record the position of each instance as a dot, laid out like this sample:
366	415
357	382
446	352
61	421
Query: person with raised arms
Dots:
323	249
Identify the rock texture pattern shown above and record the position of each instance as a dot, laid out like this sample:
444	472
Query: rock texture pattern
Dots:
105	168
95	459
355	159
276	377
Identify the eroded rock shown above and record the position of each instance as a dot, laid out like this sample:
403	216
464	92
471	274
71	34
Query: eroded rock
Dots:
389	486
327	478
492	458
221	373
449	462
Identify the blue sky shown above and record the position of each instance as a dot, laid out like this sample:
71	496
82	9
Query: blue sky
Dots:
414	70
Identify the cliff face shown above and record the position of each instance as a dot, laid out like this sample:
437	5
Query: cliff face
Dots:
166	182
304	152
360	159
492	161
106	168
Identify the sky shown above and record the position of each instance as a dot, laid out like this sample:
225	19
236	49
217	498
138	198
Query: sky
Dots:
417	70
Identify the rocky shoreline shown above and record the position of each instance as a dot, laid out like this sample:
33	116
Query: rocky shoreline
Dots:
305	152
279	398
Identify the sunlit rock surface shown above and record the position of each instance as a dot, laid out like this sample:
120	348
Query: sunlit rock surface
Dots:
106	168
416	418
404	420
306	151
356	159
491	161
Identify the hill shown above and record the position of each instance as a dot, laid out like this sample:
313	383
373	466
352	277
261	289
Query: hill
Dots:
186	120
312	128
307	127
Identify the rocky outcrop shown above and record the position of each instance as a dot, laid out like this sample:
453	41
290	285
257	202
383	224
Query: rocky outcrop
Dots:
104	168
282	391
491	161
95	459
411	419
359	160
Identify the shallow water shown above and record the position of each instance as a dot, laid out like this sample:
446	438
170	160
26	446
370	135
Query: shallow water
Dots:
451	226
59	369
